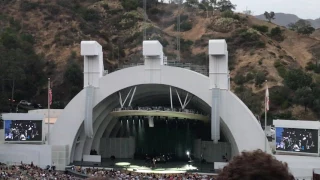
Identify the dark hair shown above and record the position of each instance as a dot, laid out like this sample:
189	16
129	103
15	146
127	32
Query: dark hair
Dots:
255	165
99	178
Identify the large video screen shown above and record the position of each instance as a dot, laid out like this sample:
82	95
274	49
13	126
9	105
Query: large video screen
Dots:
297	140
23	130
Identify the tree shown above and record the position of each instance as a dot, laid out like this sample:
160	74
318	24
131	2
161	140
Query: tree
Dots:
250	99
302	27
304	97
296	79
225	5
73	77
269	16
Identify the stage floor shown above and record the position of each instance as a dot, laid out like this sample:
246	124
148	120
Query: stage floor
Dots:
142	167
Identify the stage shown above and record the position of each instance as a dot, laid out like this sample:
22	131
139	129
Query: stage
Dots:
171	167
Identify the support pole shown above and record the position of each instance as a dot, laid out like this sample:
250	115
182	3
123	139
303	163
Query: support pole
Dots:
125	100
12	95
120	99
179	99
49	99
171	98
134	91
185	101
266	108
265	128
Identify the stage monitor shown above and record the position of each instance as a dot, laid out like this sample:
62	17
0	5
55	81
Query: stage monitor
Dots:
297	140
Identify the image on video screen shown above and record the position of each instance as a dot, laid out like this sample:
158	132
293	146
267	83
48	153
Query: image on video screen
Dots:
297	140
18	130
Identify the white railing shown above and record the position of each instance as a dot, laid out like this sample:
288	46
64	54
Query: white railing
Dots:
158	108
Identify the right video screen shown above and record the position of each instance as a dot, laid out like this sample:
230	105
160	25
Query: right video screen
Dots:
297	140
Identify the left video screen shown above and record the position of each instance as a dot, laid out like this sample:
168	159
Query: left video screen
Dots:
23	130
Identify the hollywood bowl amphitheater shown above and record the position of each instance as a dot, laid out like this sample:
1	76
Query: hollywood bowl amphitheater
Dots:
188	119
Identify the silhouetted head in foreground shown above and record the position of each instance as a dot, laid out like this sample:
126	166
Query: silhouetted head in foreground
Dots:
255	165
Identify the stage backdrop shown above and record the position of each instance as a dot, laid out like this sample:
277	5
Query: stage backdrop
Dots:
118	147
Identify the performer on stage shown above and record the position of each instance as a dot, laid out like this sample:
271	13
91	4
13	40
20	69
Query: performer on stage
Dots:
154	162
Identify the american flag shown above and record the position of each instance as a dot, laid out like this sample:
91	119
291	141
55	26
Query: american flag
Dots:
267	99
50	96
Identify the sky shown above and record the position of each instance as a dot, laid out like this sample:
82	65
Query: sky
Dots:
305	9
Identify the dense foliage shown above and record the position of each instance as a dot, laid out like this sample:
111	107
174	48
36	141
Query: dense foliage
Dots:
22	70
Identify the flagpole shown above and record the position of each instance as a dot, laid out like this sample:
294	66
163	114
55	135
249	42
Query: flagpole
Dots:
48	111
265	120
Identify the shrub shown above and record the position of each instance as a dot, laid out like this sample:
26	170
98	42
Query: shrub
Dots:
223	25
15	24
185	26
263	29
247	39
276	33
239	79
313	67
184	17
156	11
114	11
28	38
53	10
91	15
130	4
253	101
132	38
28	6
185	45
280	68
249	77
227	14
260	78
105	7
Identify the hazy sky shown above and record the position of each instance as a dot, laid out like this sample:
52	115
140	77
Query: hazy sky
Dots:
306	9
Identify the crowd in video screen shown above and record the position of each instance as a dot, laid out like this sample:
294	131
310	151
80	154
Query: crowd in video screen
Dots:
297	140
23	130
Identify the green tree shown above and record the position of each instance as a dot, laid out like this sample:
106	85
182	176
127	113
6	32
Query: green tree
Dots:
281	96
304	97
252	100
277	34
73	77
129	5
296	79
239	79
225	5
269	16
302	27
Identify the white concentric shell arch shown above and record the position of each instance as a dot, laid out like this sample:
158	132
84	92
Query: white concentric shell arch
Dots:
238	123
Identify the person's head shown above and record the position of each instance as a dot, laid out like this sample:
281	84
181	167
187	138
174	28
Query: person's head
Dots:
255	165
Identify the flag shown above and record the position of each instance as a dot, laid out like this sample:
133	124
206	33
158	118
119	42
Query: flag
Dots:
50	96
267	99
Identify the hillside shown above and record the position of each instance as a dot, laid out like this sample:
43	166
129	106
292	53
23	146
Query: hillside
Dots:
258	50
283	19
